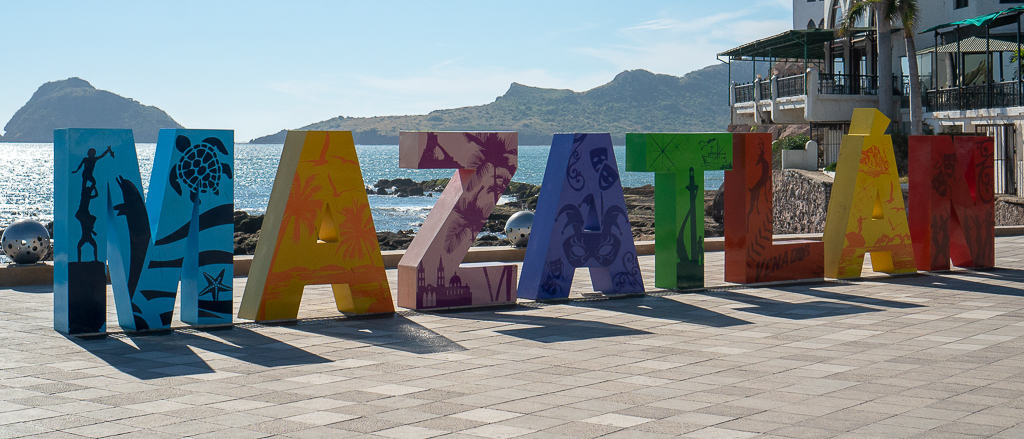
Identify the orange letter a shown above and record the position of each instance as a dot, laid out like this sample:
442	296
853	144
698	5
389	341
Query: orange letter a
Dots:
317	230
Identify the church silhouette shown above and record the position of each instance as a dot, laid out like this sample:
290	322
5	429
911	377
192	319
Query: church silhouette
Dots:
439	295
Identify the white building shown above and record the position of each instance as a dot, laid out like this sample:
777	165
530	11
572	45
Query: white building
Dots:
808	14
962	91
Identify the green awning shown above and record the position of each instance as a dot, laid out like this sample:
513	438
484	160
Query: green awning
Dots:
981	20
794	44
973	45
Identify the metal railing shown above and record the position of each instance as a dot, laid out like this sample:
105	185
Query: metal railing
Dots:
973	97
766	90
792	86
828	83
843	84
1004	94
744	92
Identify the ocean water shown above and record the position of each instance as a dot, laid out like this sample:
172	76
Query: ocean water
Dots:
26	179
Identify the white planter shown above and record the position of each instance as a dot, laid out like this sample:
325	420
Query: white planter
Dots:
799	159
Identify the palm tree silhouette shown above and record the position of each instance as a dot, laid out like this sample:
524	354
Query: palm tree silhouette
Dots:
304	206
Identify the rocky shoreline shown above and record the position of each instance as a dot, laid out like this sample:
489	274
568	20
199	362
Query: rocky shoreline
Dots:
800	204
639	203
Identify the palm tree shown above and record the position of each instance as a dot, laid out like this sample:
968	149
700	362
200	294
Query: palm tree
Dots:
886	12
906	12
883	26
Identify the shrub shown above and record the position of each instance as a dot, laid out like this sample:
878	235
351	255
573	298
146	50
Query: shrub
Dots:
831	167
791	142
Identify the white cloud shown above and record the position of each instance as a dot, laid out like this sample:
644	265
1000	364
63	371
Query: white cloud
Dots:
668	45
684	26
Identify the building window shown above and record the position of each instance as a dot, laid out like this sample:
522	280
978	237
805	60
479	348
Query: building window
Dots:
960	4
810	24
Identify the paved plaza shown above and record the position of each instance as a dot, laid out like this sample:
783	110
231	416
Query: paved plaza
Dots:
928	356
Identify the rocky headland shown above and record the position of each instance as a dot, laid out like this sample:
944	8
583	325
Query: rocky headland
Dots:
74	102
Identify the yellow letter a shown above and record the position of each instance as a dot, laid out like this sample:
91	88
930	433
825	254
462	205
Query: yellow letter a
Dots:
317	230
866	211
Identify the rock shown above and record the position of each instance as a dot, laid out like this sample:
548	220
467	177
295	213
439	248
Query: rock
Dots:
245	243
640	208
395	240
716	210
713	228
525	194
246	223
402	187
800	201
489	240
1009	210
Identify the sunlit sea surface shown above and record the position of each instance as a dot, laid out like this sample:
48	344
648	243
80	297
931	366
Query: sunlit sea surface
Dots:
26	179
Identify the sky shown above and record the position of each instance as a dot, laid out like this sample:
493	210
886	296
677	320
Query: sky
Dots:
261	66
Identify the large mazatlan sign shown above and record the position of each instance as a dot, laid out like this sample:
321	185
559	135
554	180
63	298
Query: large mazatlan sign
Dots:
866	213
182	232
952	201
318	229
678	161
581	221
431	273
751	256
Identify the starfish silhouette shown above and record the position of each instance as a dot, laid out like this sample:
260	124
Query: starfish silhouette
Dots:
214	285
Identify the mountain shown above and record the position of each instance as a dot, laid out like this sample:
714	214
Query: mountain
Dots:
74	103
634	101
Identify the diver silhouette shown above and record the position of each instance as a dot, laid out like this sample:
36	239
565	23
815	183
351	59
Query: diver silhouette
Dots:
89	162
87	221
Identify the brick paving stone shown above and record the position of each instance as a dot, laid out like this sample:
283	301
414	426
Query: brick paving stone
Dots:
410	432
923	356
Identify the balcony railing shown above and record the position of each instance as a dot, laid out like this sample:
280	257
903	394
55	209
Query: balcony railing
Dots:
828	84
973	97
792	86
744	92
843	84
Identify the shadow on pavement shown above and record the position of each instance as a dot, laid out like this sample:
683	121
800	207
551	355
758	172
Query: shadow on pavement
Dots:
843	297
392	331
171	354
657	307
790	310
993	273
544	329
946	280
32	289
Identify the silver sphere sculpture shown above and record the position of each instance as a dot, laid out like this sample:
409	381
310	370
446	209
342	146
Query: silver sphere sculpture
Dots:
26	242
518	227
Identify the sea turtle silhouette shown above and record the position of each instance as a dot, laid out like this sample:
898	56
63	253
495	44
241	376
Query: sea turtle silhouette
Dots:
200	167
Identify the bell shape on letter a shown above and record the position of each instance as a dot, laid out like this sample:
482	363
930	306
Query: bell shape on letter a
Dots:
866	213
